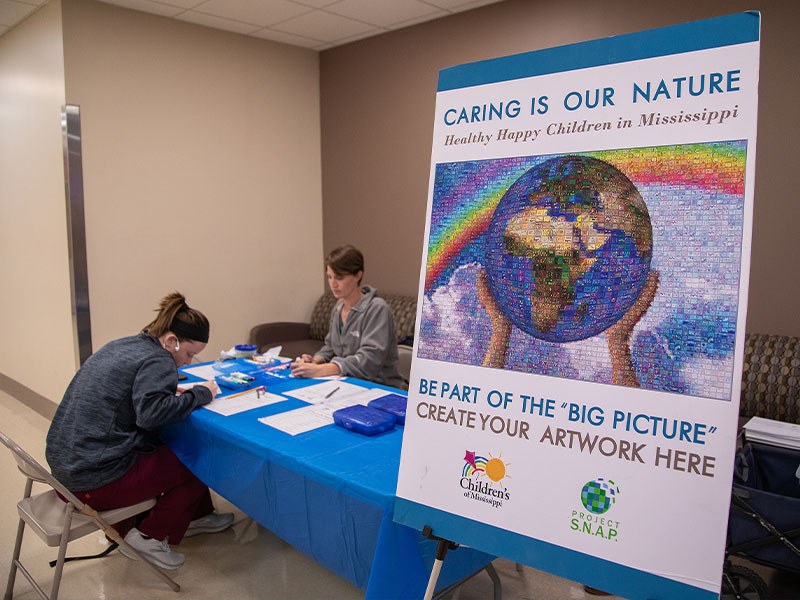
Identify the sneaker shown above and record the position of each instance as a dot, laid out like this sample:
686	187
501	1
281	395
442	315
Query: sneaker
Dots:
153	550
209	524
594	591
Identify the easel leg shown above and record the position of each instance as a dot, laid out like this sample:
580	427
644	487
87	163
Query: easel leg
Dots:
441	551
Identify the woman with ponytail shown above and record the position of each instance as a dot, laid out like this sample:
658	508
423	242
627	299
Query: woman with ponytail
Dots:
103	443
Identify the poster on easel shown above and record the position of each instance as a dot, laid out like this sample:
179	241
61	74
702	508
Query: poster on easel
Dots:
574	393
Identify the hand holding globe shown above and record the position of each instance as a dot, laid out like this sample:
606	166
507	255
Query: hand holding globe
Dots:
617	336
567	256
501	326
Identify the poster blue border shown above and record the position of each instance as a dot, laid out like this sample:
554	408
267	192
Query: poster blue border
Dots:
584	568
728	30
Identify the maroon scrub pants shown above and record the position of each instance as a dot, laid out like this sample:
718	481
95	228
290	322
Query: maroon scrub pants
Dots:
181	497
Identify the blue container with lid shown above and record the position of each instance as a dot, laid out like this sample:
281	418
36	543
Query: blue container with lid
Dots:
245	350
363	419
394	404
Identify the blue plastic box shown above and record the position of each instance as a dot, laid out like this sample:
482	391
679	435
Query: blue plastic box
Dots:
363	419
235	381
394	404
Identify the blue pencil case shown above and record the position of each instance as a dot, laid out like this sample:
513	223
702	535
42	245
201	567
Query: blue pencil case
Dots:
235	381
394	404
363	419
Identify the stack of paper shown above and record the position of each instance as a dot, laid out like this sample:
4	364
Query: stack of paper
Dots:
325	398
243	401
774	433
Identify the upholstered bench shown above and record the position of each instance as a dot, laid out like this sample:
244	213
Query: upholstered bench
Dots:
771	377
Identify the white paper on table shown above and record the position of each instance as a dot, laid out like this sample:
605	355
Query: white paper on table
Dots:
202	371
363	396
231	405
306	418
318	415
321	392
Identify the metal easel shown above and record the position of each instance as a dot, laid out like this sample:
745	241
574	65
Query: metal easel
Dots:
442	547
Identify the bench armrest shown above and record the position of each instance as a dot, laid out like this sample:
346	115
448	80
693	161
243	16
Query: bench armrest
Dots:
267	335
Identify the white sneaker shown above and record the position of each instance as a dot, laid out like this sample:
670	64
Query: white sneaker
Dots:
153	550
209	524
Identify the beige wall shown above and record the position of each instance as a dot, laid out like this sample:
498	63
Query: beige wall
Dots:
378	100
201	169
35	312
202	164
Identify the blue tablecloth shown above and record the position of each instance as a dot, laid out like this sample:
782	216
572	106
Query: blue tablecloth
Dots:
328	492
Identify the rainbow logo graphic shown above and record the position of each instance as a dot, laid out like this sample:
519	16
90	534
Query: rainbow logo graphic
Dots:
479	466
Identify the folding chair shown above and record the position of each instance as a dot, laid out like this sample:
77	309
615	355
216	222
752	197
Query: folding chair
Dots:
57	522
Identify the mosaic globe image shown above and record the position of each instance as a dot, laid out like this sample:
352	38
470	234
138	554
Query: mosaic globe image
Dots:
597	496
568	249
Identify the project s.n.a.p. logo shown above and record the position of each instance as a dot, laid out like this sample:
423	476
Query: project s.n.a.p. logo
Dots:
596	499
483	479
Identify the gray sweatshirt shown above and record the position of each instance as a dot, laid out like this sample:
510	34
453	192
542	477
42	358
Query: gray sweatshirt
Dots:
367	345
113	410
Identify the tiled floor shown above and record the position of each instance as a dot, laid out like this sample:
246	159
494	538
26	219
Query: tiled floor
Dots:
242	563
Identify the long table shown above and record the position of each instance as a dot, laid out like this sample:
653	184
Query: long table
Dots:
328	492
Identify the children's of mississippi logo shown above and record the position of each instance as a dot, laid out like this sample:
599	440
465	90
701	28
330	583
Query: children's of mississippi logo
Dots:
482	479
597	497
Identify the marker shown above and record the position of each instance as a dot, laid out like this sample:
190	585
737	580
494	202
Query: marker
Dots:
331	393
242	376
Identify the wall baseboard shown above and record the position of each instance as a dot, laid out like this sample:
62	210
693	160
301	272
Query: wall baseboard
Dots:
33	400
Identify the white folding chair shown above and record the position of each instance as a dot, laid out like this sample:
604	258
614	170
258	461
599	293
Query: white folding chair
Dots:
57	522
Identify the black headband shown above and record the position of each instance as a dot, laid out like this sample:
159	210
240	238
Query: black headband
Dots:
189	331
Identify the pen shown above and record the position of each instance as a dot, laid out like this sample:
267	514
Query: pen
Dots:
332	392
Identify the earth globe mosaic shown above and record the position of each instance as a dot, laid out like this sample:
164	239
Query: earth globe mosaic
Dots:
568	249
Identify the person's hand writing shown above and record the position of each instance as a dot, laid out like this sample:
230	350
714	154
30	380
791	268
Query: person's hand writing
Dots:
212	387
307	358
313	369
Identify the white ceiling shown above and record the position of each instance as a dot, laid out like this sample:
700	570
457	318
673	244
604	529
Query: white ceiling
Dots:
316	24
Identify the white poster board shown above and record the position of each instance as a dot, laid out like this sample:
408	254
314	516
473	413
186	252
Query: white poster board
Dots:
574	392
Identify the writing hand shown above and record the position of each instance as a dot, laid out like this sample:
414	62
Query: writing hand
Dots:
312	369
212	387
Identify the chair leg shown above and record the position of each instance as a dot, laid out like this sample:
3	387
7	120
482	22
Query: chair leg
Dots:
12	573
62	551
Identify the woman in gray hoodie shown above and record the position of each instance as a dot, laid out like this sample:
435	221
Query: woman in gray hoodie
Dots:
361	340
